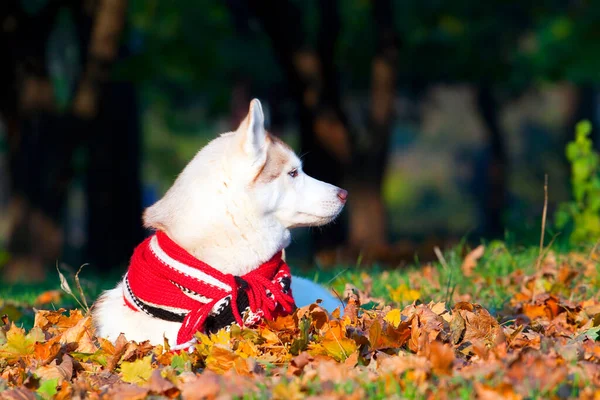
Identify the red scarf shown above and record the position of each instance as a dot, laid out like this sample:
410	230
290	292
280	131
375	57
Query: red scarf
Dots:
166	282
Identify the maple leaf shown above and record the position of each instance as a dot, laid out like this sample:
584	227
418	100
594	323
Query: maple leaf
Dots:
393	317
138	371
221	360
479	324
45	352
80	333
378	338
335	343
18	344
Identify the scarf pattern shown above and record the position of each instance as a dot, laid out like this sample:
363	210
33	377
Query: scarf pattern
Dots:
166	282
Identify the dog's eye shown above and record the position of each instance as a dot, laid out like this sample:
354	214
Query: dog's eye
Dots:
293	173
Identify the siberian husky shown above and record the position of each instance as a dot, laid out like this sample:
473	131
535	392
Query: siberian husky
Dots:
232	207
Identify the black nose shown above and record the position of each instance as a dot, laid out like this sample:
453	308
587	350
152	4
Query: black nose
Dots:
342	195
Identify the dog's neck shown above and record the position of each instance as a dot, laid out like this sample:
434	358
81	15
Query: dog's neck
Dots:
235	246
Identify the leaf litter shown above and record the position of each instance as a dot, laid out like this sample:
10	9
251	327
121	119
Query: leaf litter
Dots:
544	342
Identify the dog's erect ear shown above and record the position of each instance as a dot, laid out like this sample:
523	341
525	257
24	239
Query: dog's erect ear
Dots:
252	132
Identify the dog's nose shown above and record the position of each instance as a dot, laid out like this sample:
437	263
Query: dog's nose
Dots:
342	195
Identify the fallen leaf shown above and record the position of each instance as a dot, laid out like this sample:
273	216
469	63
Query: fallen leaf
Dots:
60	373
159	385
442	358
18	344
457	328
138	371
48	297
124	391
393	317
470	261
205	386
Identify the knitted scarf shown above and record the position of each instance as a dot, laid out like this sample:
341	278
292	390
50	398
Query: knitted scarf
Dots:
166	282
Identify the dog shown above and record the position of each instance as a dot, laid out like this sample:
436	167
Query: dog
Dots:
228	216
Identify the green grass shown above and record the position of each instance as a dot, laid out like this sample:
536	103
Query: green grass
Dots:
490	285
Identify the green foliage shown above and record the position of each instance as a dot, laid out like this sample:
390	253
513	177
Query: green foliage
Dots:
47	389
582	214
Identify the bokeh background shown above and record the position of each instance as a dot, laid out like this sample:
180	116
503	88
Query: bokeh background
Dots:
440	117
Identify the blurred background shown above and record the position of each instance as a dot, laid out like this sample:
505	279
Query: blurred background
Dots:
440	117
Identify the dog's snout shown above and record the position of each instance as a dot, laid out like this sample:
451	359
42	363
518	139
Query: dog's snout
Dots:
342	195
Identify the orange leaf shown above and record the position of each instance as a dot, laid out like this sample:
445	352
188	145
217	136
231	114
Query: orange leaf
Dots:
470	261
50	296
441	357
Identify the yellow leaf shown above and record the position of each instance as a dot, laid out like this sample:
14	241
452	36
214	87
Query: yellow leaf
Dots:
222	337
18	344
393	317
340	349
138	371
206	342
246	349
403	294
336	343
221	360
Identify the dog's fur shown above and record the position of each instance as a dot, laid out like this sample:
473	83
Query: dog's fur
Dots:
232	207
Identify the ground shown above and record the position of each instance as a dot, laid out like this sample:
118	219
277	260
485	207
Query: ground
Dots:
489	322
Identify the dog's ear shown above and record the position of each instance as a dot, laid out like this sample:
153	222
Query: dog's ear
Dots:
252	133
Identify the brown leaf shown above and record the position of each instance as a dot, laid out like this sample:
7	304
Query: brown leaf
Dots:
118	351
298	363
442	358
18	394
159	385
205	386
127	391
62	372
352	306
480	325
75	333
457	328
470	261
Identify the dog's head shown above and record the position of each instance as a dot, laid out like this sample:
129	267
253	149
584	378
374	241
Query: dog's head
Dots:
271	170
245	188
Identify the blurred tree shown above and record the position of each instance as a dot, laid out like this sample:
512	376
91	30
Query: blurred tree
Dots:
331	51
57	95
334	151
205	56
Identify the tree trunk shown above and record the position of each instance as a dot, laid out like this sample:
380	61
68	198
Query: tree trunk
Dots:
42	147
325	139
368	226
495	198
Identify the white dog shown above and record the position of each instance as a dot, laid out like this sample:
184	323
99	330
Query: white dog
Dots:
222	224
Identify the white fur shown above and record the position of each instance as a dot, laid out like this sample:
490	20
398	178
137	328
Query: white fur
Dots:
219	212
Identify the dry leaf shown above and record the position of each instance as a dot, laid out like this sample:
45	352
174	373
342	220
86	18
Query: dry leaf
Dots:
470	262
